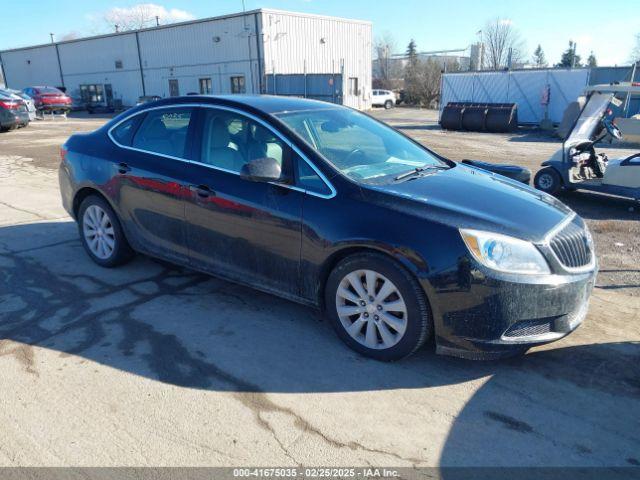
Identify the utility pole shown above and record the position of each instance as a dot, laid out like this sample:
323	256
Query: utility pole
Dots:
51	35
157	21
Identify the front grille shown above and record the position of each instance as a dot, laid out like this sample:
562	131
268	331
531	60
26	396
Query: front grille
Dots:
527	328
572	246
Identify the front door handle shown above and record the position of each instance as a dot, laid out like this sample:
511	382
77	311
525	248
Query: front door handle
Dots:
123	168
202	191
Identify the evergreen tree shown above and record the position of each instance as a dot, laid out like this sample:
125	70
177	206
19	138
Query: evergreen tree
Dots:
569	57
412	52
591	61
539	60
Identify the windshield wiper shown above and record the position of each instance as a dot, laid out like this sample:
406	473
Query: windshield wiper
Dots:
419	170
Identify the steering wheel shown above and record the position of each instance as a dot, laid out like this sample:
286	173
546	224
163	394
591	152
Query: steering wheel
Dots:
353	153
612	129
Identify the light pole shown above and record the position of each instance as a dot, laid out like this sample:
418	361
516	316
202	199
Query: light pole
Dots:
51	35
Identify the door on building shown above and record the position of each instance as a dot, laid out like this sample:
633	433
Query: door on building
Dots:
205	86
108	93
174	90
354	90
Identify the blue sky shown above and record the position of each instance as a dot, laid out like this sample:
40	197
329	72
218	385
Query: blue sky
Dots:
435	24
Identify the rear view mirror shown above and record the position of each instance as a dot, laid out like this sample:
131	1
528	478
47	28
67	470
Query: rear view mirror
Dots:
261	170
333	126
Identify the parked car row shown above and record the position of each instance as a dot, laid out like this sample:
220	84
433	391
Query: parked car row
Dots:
19	107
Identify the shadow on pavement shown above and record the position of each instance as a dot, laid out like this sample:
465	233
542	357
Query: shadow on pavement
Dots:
190	330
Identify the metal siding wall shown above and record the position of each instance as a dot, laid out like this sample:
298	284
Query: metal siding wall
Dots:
612	74
292	45
523	87
43	69
188	53
317	86
93	62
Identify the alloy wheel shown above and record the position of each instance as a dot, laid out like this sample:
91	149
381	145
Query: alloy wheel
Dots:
371	309
98	232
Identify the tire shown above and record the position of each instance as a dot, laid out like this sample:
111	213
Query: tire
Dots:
116	247
414	326
548	180
388	104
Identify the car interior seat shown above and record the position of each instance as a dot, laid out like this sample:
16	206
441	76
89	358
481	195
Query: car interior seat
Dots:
264	144
156	138
218	149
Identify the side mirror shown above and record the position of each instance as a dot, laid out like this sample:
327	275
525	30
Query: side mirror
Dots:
261	170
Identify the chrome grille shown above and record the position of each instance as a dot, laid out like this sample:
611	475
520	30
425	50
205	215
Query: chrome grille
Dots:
572	245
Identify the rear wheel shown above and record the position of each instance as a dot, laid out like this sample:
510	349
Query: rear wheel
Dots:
377	308
548	180
101	233
388	104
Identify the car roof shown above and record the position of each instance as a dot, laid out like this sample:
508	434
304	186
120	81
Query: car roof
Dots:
265	103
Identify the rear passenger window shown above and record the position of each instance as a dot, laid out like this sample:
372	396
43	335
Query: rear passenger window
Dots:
123	133
164	132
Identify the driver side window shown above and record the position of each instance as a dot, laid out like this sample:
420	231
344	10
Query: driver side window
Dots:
229	141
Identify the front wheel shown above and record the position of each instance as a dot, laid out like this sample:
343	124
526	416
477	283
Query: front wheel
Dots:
377	307
548	180
388	104
101	233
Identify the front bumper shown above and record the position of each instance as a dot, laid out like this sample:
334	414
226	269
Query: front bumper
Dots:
496	315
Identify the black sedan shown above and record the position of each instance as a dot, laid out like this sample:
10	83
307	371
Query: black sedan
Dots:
326	206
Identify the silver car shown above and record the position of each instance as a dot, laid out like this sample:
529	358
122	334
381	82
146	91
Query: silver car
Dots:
31	106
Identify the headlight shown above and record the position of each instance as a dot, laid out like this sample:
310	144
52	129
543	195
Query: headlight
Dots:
503	253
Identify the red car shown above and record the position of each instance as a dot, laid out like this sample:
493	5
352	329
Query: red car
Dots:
49	99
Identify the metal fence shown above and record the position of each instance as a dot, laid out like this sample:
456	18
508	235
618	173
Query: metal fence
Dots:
526	87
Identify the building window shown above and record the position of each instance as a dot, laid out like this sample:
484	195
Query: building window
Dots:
237	84
174	90
118	64
353	86
205	86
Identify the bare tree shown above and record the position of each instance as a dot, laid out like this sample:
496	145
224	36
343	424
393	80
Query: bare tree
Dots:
503	44
422	81
142	15
387	69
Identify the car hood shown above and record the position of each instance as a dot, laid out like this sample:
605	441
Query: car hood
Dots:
467	197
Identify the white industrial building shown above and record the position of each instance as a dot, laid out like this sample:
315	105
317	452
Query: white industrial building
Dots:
259	51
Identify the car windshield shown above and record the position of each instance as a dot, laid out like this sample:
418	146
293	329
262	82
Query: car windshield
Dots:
359	146
588	124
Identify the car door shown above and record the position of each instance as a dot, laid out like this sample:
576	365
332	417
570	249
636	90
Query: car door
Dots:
245	231
149	182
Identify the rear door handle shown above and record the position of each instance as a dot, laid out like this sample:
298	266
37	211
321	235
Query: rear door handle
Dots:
123	168
202	191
